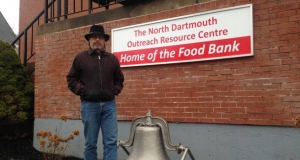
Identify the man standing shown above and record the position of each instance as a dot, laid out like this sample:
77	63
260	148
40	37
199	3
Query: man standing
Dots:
96	77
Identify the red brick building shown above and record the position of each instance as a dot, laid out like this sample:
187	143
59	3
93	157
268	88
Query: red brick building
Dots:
240	103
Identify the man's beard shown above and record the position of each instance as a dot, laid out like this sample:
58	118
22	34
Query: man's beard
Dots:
99	47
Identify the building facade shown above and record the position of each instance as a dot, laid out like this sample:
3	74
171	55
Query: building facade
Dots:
235	108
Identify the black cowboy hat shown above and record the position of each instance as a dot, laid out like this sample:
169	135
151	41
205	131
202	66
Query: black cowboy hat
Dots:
97	29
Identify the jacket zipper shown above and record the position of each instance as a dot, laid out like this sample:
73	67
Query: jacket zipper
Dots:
100	71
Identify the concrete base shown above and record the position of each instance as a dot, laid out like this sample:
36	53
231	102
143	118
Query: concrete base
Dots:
206	141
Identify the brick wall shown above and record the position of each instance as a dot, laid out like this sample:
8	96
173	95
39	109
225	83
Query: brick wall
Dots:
259	90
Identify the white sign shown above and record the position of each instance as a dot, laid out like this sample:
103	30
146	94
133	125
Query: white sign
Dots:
219	34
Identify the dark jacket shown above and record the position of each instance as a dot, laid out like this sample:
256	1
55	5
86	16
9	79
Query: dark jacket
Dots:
95	77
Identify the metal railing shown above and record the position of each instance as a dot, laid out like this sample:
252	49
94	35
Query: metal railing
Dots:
52	12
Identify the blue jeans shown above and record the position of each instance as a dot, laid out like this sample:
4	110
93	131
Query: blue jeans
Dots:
96	116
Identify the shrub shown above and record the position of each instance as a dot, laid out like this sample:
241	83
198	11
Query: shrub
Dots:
297	122
16	90
52	145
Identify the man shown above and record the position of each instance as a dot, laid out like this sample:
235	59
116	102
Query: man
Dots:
96	77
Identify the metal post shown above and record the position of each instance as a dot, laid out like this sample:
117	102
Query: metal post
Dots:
58	9
106	4
46	12
25	48
74	6
90	6
66	9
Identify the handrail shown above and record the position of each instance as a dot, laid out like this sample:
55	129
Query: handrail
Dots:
24	36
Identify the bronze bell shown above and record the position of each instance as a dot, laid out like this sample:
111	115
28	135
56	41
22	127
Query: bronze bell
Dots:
148	144
149	137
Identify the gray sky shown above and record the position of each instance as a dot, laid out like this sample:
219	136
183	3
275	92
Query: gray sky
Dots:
10	10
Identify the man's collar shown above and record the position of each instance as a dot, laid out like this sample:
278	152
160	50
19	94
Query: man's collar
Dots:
90	52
